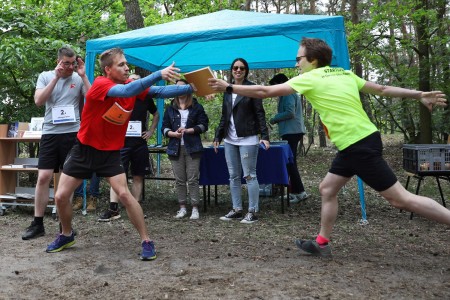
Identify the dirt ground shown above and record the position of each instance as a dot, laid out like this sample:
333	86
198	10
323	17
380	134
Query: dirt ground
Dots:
392	257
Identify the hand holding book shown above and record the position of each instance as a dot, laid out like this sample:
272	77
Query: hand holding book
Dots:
199	81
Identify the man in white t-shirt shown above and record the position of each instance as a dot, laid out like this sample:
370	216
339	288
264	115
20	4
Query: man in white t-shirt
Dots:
61	91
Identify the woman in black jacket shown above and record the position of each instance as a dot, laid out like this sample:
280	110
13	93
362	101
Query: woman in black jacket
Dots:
184	120
243	119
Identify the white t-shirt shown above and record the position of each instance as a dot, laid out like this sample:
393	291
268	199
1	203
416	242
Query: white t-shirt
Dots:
232	137
184	116
67	91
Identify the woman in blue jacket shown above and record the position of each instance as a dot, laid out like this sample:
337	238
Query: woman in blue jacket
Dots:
243	119
184	120
291	128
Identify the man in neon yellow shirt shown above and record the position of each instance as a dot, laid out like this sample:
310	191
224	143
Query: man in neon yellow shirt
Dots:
334	93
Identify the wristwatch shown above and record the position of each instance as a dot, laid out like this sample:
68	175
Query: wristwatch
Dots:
229	89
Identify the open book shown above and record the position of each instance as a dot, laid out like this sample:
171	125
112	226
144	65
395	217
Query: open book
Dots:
199	79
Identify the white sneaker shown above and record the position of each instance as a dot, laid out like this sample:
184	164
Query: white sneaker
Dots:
181	213
194	215
299	197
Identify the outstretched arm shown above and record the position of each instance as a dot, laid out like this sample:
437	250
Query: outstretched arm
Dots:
169	91
436	98
138	86
252	91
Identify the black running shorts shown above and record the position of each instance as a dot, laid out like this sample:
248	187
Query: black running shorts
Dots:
138	157
53	150
84	160
365	160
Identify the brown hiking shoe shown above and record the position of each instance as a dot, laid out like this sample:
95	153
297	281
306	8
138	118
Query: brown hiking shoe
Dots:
91	204
77	203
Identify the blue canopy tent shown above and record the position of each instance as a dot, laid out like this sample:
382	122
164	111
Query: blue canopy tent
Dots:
265	40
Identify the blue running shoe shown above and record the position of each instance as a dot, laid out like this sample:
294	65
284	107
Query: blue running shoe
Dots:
148	250
61	242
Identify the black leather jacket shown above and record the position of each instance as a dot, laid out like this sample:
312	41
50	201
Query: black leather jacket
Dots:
248	114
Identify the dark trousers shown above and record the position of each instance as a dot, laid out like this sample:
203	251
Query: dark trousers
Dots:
296	184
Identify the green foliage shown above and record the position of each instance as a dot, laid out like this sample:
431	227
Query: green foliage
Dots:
384	41
30	36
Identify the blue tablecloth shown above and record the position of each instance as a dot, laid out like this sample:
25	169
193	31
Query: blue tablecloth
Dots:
270	168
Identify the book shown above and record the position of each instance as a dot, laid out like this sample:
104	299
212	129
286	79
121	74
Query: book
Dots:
36	124
199	80
116	114
13	129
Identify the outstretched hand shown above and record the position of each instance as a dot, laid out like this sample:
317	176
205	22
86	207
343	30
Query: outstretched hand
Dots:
170	73
217	84
434	98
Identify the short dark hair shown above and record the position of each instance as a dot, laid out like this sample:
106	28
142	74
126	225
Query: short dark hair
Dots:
277	79
317	49
65	51
107	58
245	64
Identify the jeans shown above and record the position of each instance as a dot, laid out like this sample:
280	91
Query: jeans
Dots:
94	187
243	159
296	184
186	169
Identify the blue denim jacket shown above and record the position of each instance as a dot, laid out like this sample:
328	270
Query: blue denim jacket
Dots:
197	119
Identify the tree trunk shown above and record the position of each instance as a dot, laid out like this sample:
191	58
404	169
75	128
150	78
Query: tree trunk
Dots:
134	19
443	52
424	73
357	66
321	133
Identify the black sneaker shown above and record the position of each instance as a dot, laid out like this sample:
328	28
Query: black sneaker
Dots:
109	215
33	231
232	215
249	218
311	247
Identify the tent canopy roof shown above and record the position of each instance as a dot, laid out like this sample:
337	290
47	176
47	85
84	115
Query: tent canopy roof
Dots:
265	40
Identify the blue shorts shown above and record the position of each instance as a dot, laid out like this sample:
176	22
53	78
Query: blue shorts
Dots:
365	160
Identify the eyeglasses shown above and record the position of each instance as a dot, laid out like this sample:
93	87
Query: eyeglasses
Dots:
235	68
68	64
299	58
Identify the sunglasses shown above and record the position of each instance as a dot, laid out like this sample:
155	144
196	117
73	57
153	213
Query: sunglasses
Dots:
235	68
299	58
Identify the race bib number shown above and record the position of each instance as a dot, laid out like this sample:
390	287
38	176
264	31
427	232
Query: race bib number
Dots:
116	114
134	129
63	114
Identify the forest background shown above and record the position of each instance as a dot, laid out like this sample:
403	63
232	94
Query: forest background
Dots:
402	43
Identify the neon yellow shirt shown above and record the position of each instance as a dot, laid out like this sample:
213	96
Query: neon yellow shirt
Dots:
334	93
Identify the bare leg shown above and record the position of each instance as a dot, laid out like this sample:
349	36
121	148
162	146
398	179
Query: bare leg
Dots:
136	188
42	192
66	187
113	196
329	188
134	210
400	198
